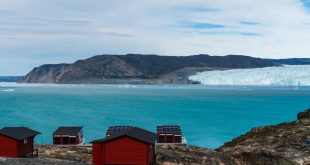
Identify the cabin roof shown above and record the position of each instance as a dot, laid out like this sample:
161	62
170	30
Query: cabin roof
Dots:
18	133
71	131
173	129
133	132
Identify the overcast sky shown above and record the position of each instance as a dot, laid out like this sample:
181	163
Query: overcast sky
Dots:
35	32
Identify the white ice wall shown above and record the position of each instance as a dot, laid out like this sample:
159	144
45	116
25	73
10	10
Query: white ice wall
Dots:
289	75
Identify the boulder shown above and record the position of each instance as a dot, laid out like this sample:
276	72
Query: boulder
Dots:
304	115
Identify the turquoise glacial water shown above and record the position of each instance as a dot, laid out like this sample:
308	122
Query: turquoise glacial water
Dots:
209	116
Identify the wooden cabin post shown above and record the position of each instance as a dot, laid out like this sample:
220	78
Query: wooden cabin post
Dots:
61	140
165	138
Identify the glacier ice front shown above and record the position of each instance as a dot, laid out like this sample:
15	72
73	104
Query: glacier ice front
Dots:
287	75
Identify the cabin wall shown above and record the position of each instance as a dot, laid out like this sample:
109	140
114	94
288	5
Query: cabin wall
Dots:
8	147
77	138
151	153
25	148
169	138
125	150
97	153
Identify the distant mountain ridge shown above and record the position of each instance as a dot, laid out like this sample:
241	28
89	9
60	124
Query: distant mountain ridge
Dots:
291	61
135	68
10	78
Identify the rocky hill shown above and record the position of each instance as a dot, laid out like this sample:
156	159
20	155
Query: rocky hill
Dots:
140	69
284	144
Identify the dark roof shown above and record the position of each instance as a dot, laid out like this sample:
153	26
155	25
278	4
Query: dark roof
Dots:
134	132
116	129
173	129
71	131
18	133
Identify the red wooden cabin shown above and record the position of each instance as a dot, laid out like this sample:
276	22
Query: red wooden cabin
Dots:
169	134
133	146
16	141
68	136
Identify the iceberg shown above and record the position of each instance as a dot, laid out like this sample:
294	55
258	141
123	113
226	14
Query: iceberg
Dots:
8	90
287	75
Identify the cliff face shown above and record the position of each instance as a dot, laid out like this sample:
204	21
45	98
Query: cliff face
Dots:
98	67
134	68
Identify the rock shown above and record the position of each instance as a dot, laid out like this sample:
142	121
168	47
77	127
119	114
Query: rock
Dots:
262	158
71	153
37	161
304	115
190	155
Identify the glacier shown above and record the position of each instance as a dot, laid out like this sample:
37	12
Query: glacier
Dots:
287	75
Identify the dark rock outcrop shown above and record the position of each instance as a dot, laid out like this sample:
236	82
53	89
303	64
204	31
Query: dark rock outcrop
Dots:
304	115
133	68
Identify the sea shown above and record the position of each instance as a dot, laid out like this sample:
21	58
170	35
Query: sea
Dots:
208	115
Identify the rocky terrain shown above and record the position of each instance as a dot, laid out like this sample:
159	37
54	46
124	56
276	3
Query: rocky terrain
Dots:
37	161
138	69
191	155
54	155
284	144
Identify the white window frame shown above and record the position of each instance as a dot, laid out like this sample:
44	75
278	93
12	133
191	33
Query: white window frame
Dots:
25	141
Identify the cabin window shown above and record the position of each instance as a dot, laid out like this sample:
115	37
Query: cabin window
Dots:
161	139
72	141
177	139
169	139
25	141
56	140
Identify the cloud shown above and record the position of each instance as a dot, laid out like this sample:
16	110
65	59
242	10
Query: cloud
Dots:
36	32
250	34
197	9
248	23
3	11
202	25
